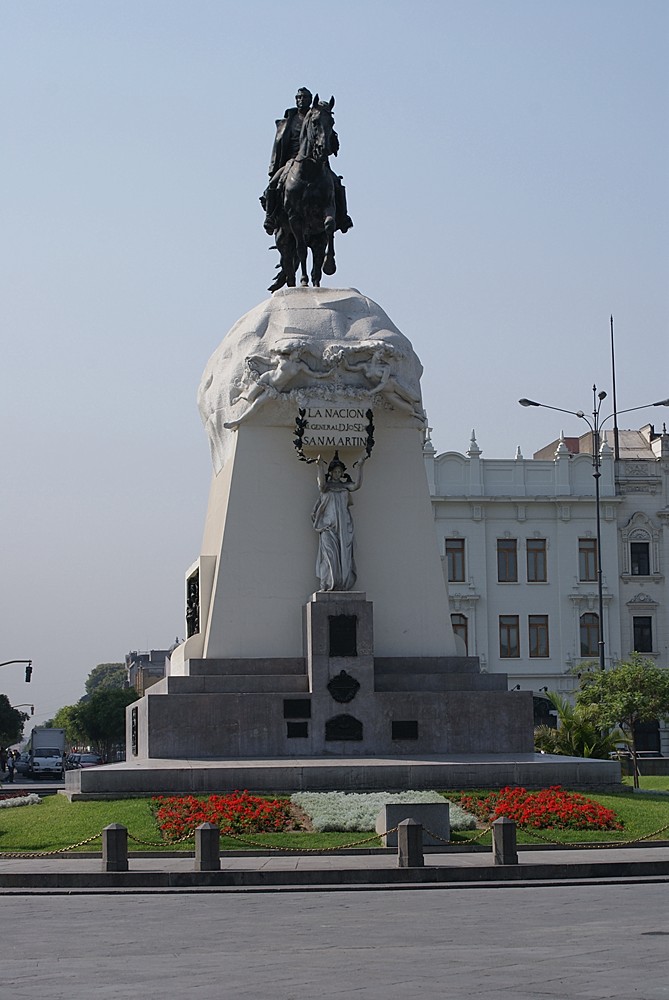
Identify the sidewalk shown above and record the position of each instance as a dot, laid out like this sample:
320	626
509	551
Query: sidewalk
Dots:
290	871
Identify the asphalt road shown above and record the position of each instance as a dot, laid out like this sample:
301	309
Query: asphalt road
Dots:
21	783
580	942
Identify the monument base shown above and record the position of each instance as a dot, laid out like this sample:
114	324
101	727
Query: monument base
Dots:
344	774
339	699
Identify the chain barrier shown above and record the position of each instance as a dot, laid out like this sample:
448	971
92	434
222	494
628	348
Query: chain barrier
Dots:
311	850
575	845
378	836
162	843
458	843
46	854
191	836
598	844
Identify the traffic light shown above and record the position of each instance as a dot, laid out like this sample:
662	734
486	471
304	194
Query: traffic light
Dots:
29	671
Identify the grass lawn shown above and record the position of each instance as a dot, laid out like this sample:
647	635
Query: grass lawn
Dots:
654	782
58	823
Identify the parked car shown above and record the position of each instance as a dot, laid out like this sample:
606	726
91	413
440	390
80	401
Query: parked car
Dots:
46	762
22	764
72	761
89	760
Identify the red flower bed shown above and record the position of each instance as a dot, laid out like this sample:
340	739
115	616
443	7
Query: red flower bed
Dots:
237	812
551	807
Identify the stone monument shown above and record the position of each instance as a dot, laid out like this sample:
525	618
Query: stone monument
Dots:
335	640
319	649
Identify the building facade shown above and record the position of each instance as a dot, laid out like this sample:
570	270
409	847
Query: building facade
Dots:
518	542
146	668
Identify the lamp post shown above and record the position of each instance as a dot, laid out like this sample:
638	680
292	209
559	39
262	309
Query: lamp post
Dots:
595	426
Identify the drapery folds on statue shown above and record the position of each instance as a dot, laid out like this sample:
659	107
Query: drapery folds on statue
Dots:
331	517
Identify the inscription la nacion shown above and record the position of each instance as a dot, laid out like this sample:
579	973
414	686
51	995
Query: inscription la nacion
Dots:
338	413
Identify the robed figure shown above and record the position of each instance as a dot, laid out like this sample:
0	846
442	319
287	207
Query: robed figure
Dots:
331	517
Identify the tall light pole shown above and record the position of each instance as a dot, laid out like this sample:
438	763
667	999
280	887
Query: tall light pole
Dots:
595	426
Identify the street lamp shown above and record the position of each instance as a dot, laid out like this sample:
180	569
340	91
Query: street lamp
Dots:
595	426
29	667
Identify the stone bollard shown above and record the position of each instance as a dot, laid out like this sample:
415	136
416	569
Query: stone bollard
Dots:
115	848
207	852
409	844
504	842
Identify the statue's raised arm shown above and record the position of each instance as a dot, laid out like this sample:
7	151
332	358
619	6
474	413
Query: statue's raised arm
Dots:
305	201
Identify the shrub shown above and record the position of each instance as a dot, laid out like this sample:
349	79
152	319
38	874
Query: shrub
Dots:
551	807
10	799
351	811
237	812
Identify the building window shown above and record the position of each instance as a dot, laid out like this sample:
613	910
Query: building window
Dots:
640	558
536	560
538	635
589	634
642	626
507	560
455	559
587	559
459	623
509	636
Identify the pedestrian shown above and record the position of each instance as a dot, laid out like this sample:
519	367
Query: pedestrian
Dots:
10	767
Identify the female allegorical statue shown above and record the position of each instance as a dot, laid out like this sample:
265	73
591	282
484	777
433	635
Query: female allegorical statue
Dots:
331	517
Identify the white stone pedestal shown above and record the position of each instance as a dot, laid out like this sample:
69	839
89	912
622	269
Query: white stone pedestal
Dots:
257	565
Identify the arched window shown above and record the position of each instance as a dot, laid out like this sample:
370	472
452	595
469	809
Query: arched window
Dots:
589	634
459	623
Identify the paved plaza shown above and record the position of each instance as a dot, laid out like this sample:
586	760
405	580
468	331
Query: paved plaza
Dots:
577	942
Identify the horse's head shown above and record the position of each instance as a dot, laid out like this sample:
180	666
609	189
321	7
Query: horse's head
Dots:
319	139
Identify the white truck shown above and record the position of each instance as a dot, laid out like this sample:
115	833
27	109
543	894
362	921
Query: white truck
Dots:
47	750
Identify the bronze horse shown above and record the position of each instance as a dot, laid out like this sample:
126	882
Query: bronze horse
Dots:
307	210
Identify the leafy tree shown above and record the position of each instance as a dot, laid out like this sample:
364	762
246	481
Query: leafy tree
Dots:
11	722
101	718
577	735
635	690
66	718
106	676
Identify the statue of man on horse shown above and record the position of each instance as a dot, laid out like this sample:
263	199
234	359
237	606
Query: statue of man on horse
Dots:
305	201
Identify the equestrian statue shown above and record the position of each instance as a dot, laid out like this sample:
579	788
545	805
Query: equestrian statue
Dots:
305	201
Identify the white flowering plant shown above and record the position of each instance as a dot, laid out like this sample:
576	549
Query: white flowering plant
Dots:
19	800
357	811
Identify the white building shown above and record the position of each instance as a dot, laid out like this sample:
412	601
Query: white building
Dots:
519	547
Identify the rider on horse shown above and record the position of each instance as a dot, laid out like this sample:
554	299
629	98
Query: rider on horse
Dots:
285	149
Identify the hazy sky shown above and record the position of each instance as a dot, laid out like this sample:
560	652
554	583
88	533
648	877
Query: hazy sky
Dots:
506	165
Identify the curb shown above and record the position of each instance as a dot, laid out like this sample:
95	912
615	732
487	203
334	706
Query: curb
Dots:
330	879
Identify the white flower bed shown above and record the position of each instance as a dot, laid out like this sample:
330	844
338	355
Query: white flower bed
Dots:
355	811
20	800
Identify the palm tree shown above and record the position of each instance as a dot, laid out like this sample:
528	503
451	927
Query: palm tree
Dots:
575	736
